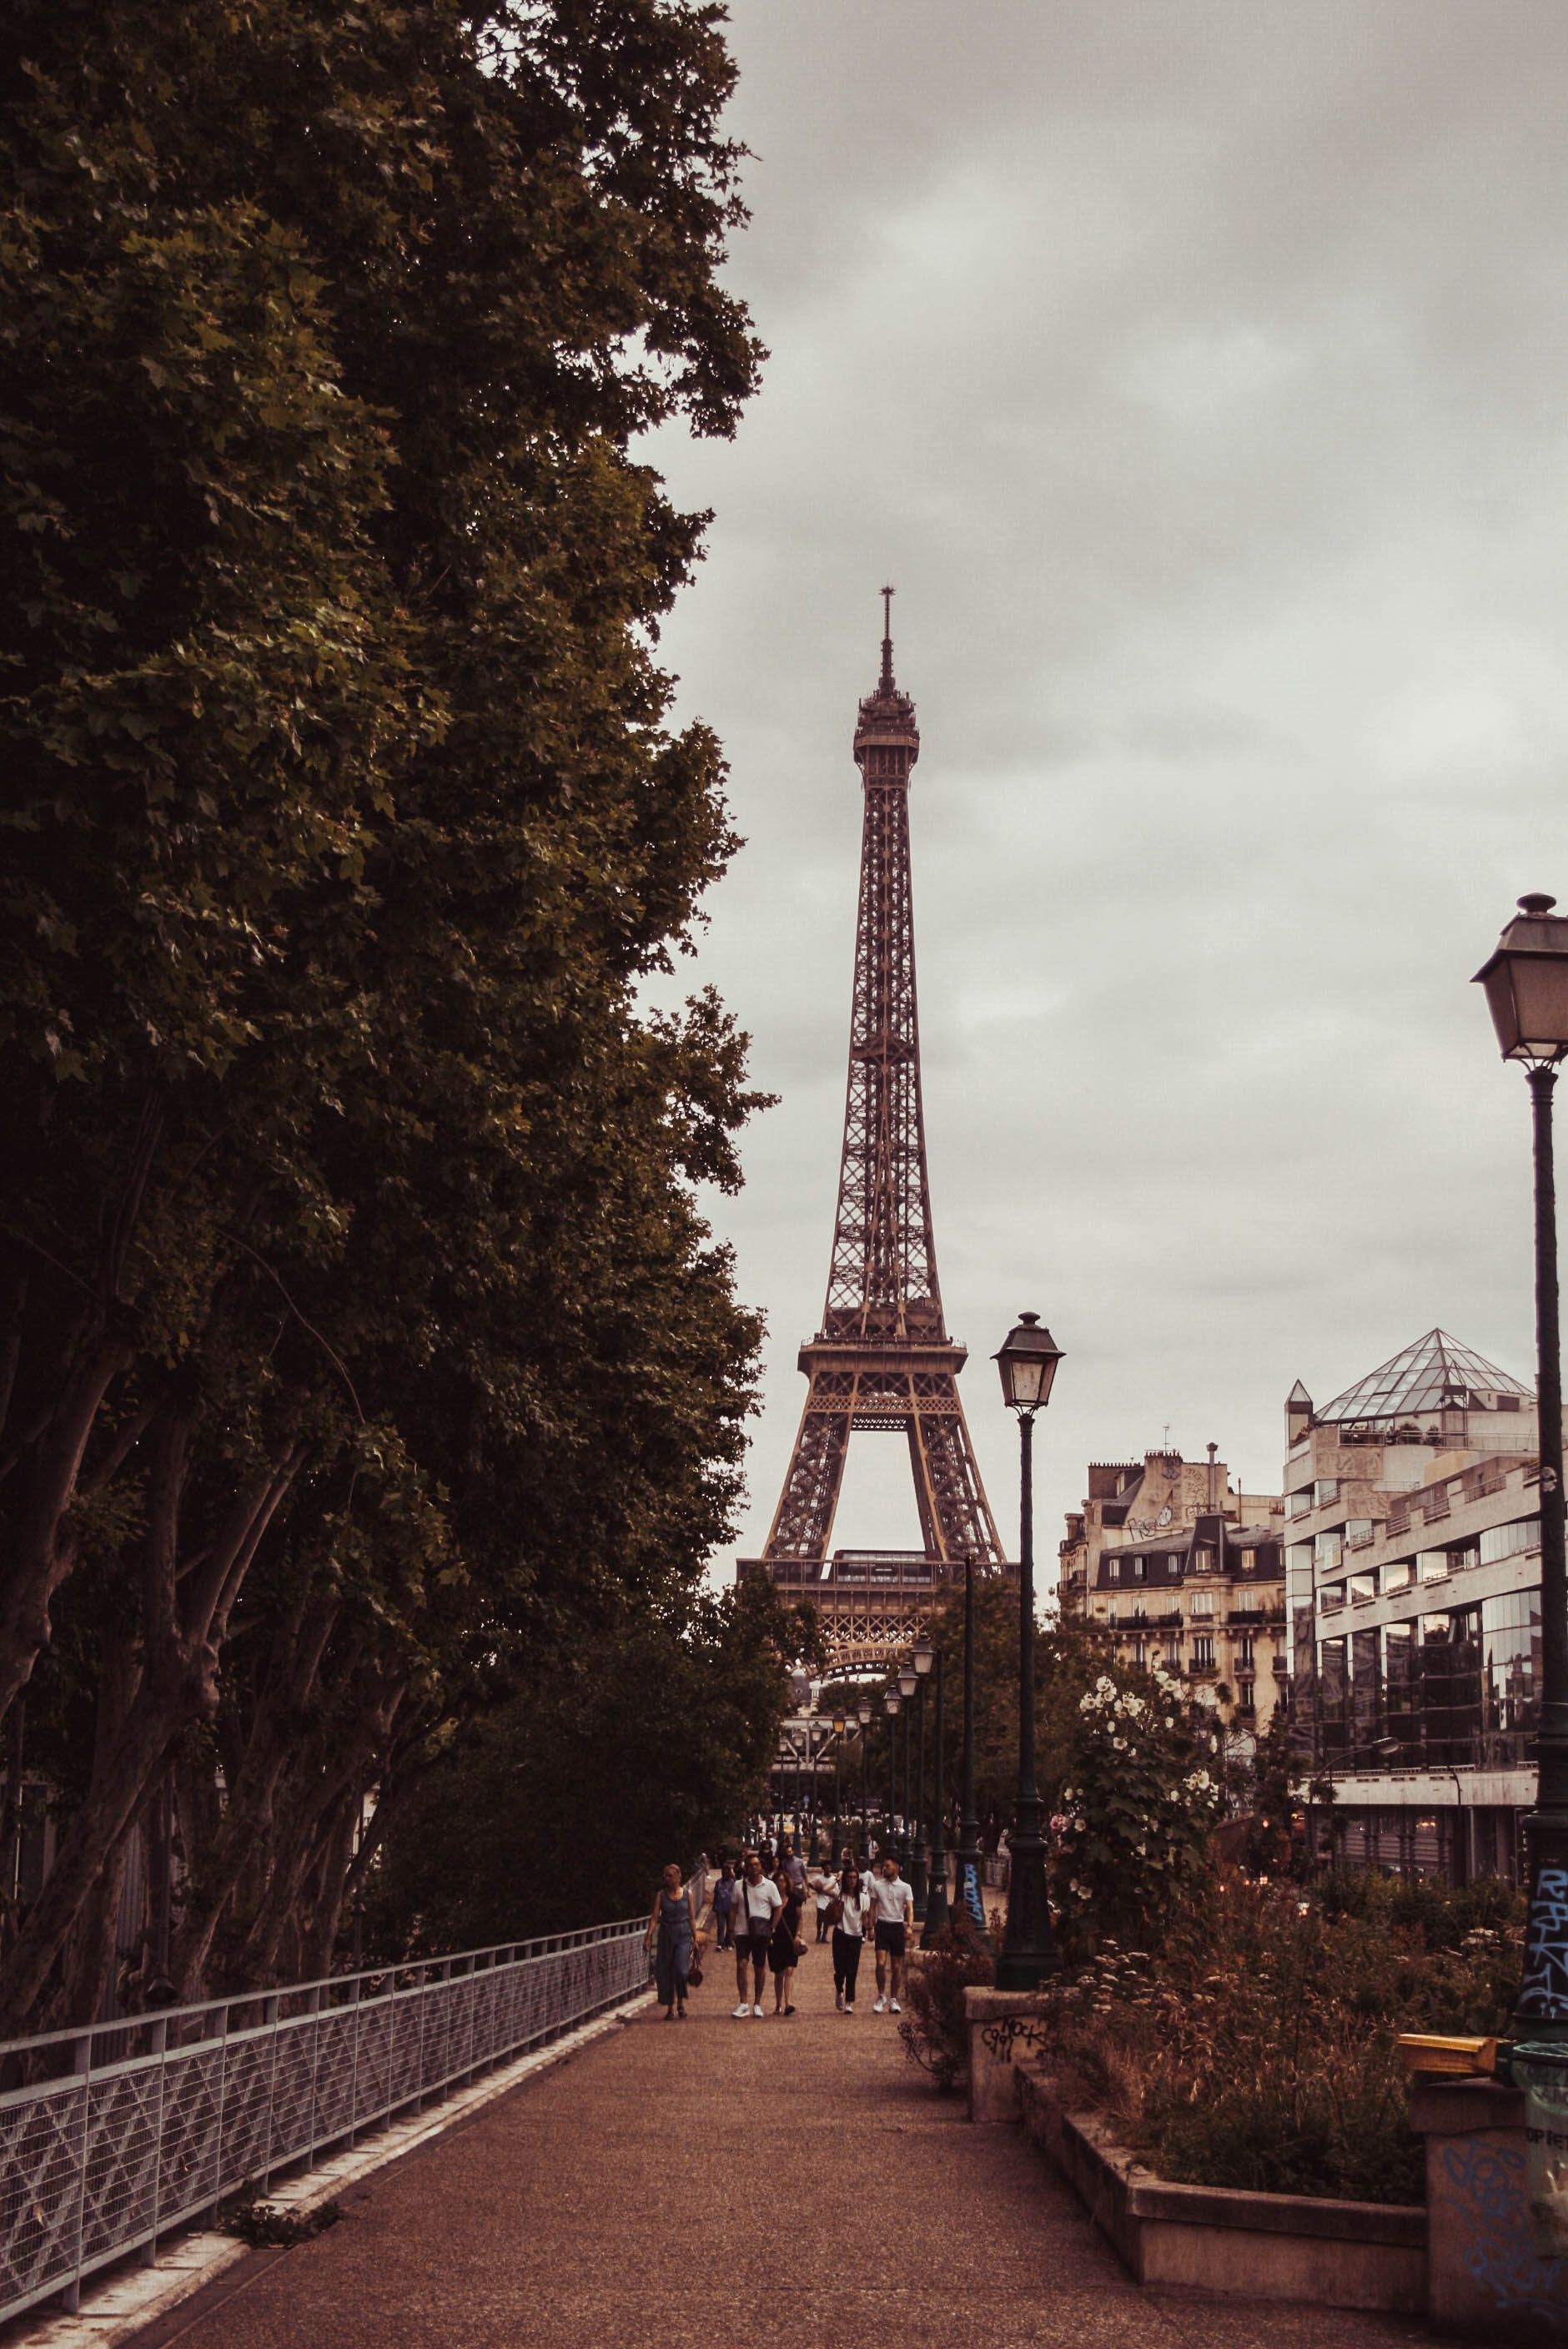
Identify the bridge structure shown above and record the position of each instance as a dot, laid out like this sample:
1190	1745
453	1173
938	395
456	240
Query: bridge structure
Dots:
645	2181
882	1360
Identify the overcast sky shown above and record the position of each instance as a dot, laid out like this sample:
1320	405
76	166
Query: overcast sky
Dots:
1197	374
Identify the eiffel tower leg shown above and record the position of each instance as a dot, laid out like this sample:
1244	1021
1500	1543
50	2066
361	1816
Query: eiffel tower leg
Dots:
964	1526
803	1520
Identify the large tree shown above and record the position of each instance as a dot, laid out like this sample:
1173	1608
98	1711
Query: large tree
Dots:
358	1328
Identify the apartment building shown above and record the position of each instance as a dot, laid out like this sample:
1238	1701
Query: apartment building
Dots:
1173	1565
1413	1574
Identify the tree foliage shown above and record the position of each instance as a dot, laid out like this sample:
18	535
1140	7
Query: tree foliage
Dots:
359	1336
560	1808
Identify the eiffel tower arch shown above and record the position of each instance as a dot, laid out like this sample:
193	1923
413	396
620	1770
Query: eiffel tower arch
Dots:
883	1360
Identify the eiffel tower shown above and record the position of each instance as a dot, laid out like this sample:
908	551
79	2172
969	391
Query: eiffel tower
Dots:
882	1359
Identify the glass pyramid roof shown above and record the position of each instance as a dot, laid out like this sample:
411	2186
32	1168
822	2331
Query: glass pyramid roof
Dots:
1436	1370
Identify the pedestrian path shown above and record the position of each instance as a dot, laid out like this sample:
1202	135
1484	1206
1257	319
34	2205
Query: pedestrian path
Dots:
722	2181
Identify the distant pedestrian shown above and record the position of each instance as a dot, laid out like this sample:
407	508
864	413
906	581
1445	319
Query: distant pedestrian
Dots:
757	1905
671	1936
784	1949
850	1910
893	1905
824	1884
724	1908
791	1865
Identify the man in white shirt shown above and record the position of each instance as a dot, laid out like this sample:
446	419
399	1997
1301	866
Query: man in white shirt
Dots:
757	1901
893	1905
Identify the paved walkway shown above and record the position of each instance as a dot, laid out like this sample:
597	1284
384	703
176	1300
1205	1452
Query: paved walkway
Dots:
731	2183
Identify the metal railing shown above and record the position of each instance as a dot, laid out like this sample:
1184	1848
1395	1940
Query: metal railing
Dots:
113	2136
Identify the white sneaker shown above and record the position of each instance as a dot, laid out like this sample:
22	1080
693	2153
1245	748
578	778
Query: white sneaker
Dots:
850	2010
878	2005
893	2007
757	2011
738	2013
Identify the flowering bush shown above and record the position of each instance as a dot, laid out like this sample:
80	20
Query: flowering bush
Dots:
1256	2046
1139	1804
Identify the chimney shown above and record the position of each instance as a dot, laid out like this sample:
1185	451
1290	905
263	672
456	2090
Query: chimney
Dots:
1214	1454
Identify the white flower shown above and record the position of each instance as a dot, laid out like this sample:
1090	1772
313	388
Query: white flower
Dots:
1120	1744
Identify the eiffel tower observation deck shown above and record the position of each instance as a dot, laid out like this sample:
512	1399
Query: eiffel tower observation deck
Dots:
882	1360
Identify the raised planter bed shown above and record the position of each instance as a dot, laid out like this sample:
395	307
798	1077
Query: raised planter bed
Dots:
1258	2246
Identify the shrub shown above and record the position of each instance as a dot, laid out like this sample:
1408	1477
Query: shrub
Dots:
933	2029
1257	2050
1139	1804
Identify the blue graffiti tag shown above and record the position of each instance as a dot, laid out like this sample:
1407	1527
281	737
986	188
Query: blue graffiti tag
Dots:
1544	1990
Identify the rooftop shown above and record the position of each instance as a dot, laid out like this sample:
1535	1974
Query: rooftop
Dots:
1435	1374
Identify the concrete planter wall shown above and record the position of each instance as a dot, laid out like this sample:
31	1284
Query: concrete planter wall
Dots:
1256	2246
1486	2282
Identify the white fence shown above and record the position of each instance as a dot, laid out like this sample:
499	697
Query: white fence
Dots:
110	2137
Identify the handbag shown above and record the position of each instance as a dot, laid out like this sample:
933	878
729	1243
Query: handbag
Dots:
694	1975
835	1911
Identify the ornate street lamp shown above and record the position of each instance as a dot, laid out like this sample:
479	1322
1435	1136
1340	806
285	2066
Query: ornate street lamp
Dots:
864	1716
1526	983
891	1705
969	1904
936	1887
922	1657
840	1725
1028	1363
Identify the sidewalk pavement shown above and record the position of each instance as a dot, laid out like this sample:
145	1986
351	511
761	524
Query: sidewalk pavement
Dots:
723	2181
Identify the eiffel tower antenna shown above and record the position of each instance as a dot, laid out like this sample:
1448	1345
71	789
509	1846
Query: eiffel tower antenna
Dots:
883	1360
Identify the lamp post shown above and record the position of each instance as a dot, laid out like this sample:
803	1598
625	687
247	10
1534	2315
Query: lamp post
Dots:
864	1716
1028	1363
970	1906
891	1703
1526	983
936	1889
923	1658
909	1840
840	1725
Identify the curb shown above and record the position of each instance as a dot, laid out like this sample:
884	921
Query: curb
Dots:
120	2303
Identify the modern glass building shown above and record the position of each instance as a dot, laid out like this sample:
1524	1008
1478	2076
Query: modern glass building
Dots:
1413	1573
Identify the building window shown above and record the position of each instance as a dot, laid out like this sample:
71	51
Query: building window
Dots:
1506	1541
1139	1654
1202	1602
1203	1561
1298	1504
1174	1564
1249	1559
1244	1650
1202	1652
1140	1569
1245	1703
1173	1655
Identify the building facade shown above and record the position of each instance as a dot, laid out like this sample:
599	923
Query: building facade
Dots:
1413	1574
1173	1565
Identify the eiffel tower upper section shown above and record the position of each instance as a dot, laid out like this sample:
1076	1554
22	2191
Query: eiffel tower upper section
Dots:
882	1359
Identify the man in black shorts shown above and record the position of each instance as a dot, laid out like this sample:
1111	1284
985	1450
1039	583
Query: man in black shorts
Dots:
893	1905
757	1901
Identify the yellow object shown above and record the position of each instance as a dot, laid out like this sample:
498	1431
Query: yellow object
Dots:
1425	2052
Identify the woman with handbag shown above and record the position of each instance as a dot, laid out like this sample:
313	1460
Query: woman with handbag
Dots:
849	1910
672	1940
785	1950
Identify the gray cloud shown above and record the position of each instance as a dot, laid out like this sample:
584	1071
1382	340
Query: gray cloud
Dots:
1197	373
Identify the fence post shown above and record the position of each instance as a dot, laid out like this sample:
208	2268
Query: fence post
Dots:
269	2017
158	2046
81	2067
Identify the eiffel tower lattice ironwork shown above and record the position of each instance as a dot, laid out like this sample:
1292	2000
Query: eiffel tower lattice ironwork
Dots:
882	1359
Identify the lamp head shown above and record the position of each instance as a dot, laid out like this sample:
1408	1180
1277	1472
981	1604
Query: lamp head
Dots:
924	1654
1526	983
1028	1363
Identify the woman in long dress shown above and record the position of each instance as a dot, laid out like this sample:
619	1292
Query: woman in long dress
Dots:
671	1938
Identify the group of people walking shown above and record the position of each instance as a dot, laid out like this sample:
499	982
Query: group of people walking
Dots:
757	1909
